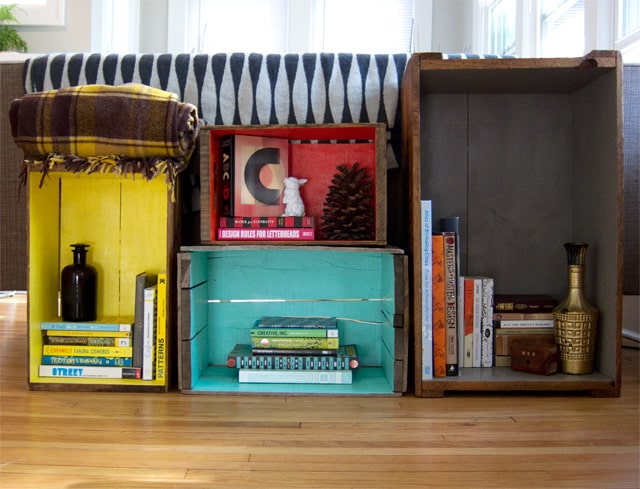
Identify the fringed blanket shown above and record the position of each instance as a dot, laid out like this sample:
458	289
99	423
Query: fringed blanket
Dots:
122	129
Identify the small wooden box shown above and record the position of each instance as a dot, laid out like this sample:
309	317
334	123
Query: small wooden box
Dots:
535	357
224	290
315	151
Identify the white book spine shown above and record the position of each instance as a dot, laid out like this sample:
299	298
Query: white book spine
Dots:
148	349
477	322
258	376
526	323
79	372
487	322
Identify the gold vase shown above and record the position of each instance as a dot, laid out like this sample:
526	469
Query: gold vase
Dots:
575	318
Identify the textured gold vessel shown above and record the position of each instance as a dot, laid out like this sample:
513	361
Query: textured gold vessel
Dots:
575	318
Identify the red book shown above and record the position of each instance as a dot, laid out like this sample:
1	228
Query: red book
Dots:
266	234
267	222
438	307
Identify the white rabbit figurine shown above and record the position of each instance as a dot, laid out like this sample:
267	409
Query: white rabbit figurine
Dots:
294	205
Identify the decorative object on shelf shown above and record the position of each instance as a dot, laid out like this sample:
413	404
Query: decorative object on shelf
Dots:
9	37
78	286
575	318
294	206
348	212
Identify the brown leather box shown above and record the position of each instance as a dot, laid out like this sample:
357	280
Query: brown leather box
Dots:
536	357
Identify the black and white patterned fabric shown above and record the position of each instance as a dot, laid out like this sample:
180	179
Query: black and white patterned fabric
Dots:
239	88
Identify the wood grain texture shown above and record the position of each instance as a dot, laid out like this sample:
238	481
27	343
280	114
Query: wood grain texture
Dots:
143	440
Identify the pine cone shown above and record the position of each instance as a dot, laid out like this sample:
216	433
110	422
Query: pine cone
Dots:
348	212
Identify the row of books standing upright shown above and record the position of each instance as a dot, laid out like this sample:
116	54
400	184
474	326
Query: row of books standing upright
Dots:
465	324
119	347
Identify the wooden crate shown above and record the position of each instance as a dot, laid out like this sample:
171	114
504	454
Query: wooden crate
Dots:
314	153
528	153
130	227
224	290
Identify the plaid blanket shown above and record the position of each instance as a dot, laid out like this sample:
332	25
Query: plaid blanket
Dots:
130	121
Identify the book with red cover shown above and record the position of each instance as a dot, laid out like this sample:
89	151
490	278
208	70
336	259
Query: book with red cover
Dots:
253	171
438	307
267	222
266	234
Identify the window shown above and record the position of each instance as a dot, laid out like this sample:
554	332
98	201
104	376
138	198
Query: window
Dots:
562	28
281	26
628	30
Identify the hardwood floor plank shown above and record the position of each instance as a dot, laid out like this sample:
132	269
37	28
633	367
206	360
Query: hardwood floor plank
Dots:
77	440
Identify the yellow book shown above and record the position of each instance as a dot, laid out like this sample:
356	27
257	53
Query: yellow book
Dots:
161	328
87	351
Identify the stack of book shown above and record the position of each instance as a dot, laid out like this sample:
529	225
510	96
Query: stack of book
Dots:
522	318
289	349
113	347
93	349
266	228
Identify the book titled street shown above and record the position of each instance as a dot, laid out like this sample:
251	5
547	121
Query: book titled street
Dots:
266	234
247	375
89	372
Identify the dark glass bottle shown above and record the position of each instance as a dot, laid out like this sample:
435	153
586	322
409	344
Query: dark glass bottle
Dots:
78	287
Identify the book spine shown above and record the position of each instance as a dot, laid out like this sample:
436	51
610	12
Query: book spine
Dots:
293	351
295	376
477	322
267	222
88	326
469	299
307	322
86	351
525	323
503	342
499	316
293	362
143	280
87	334
451	304
89	372
296	343
86	340
524	303
426	231
227	175
161	328
148	352
438	308
266	234
487	323
87	361
293	332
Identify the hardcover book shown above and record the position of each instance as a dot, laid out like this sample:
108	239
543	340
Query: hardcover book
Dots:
143	280
149	333
86	351
293	333
451	303
308	343
524	303
312	322
487	322
253	173
161	328
426	230
267	222
77	372
266	234
95	361
438	307
116	323
248	375
345	357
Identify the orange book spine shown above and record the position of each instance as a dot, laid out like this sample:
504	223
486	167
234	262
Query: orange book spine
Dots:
438	307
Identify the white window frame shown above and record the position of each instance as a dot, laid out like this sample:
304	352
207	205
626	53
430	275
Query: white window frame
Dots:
600	22
39	13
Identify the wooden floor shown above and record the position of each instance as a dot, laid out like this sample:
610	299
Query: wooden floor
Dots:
117	440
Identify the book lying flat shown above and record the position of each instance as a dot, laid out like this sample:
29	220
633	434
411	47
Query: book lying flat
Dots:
247	375
344	358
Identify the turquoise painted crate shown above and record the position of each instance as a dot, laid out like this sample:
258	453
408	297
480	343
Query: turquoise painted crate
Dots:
223	290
